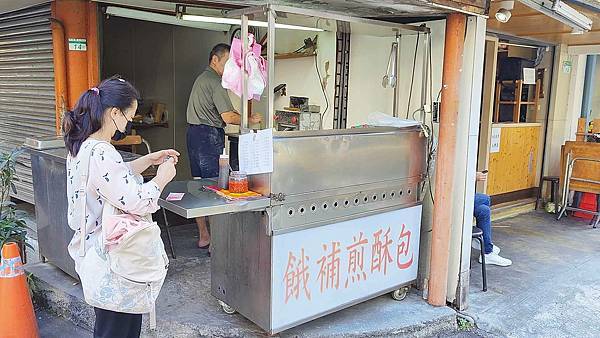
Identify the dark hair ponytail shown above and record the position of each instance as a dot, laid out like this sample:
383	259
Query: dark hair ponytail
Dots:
88	115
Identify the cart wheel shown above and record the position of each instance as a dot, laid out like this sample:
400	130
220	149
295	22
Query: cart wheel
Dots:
400	294
226	308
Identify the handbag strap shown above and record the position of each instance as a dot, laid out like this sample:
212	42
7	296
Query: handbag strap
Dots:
82	192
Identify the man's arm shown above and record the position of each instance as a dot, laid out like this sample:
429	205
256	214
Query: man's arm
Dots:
231	117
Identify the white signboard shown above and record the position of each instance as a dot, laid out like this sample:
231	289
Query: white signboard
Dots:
255	152
320	269
495	141
529	75
78	44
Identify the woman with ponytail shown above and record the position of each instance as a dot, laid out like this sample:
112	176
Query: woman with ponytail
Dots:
102	114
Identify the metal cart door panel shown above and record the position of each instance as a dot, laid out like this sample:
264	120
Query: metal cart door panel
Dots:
321	270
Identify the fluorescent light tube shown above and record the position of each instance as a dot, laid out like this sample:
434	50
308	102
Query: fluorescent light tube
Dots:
562	12
230	21
163	18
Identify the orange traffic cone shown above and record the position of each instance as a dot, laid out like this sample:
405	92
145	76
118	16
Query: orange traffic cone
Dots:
17	318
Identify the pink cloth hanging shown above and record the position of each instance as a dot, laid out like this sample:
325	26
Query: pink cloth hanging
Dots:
256	69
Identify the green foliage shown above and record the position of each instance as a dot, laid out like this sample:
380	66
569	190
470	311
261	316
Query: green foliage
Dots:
12	228
463	324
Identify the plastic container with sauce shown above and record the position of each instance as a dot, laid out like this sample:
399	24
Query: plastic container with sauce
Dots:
238	182
223	171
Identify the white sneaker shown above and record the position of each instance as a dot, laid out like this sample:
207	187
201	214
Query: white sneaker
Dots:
495	259
475	245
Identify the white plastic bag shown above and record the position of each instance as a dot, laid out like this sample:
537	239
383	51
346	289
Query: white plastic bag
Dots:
379	119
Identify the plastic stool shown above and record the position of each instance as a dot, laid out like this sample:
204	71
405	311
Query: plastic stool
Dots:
554	180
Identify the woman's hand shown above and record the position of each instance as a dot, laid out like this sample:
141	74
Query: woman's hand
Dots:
159	157
165	173
481	176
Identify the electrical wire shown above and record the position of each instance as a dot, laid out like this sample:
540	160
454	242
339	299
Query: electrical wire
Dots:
322	89
412	80
431	149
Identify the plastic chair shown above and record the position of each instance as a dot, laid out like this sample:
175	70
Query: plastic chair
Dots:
478	235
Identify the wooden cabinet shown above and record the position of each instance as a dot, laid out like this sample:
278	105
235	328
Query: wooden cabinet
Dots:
514	166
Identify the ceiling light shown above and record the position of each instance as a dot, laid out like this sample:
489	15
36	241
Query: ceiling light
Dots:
504	7
503	15
162	18
230	21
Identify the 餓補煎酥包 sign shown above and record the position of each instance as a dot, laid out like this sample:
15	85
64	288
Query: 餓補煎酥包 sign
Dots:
325	268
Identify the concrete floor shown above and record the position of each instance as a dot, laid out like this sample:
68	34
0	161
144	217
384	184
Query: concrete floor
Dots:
186	308
553	287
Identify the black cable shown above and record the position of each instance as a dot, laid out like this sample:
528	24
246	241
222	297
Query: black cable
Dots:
322	89
430	83
431	149
412	80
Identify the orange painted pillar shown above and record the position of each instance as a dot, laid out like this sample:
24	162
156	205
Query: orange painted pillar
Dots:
76	57
60	69
93	45
444	176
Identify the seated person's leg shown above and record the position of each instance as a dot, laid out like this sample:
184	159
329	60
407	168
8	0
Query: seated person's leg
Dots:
483	221
482	199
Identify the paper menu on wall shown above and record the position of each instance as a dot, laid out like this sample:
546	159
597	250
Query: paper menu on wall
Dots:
528	75
255	152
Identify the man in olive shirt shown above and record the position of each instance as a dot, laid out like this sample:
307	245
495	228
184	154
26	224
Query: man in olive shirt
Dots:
209	110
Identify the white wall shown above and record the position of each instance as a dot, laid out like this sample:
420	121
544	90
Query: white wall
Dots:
596	92
368	64
558	125
300	74
366	94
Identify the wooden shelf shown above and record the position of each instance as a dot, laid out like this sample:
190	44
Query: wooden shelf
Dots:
292	56
150	125
514	102
514	82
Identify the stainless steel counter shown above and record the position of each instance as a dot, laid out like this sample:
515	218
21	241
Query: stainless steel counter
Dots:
198	202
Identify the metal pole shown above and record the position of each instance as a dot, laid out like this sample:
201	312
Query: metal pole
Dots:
395	109
271	17
588	90
425	73
444	175
244	38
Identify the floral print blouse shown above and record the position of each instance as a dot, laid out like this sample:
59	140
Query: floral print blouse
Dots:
112	181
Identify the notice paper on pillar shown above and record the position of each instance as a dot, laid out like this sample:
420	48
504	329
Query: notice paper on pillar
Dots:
78	44
495	140
528	75
256	152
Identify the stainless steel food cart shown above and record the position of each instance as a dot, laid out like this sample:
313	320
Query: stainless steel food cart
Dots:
340	224
339	220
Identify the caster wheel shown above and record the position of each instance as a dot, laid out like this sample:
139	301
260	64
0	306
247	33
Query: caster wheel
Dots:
226	308
400	294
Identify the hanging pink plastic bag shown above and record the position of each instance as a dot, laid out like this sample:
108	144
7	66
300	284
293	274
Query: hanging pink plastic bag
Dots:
256	69
256	76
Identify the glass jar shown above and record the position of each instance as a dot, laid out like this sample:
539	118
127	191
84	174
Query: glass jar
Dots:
238	182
